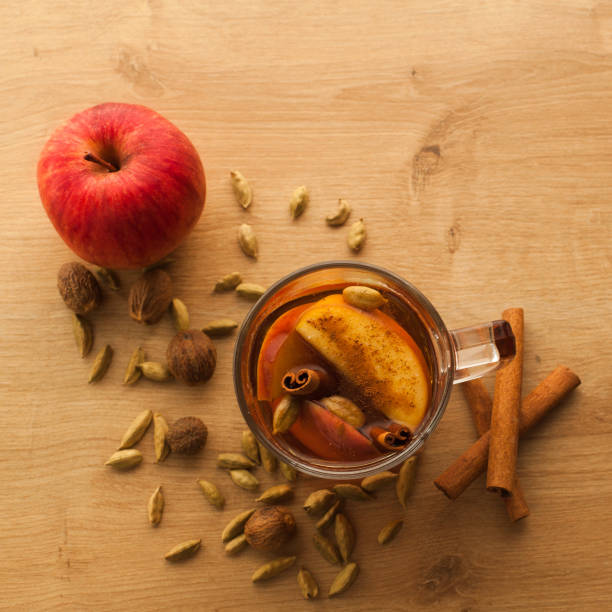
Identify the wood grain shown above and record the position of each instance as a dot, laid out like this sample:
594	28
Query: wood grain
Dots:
473	138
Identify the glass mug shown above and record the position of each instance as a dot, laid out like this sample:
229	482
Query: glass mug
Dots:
451	356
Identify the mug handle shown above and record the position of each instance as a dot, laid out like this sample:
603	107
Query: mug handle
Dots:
481	349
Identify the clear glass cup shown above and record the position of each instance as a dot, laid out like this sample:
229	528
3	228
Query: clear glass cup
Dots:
452	356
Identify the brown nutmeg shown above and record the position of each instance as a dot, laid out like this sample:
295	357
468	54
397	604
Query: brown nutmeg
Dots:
269	528
191	356
150	296
187	435
78	287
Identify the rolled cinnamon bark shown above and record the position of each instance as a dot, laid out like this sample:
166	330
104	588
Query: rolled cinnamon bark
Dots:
503	448
456	478
480	403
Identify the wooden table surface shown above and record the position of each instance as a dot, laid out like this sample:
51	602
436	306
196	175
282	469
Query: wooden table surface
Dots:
473	138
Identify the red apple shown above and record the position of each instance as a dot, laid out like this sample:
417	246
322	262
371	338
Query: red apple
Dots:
121	184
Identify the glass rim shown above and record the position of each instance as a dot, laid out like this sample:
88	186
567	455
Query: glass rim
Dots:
359	471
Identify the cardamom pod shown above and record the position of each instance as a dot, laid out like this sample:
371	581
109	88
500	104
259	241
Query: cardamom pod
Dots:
357	236
100	365
328	517
327	548
285	414
268	459
160	429
236	526
379	481
234	461
250	291
237	544
363	297
132	372
340	216
220	327
212	493
183	550
276	494
345	536
125	459
150	296
287	471
319	501
344	579
351	491
299	201
272	568
180	314
153	370
242	189
249	446
156	506
247	240
308	585
389	531
228	282
137	429
344	409
406	479
83	333
109	278
244	479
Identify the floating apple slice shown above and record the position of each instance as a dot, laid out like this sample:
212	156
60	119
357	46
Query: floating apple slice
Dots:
329	437
374	353
281	350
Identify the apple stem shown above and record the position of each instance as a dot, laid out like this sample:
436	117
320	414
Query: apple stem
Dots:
92	157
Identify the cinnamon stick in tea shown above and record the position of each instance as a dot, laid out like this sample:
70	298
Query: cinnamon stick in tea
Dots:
458	477
481	405
503	448
311	380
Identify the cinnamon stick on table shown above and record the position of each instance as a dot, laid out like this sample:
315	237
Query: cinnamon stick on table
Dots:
480	404
503	447
458	477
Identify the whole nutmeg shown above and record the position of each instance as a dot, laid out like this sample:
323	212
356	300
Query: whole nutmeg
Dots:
150	296
269	528
78	287
187	436
191	356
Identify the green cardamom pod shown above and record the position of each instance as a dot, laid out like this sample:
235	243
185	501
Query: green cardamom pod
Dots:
308	585
406	480
328	517
379	481
220	327
340	216
125	459
272	568
234	461
319	501
287	471
357	236
155	507
285	414
183	550
345	409
268	459
327	549
275	494
180	314
249	446
153	370
101	363
244	479
351	491
212	493
133	373
299	201
236	544
248	241
363	297
345	536
228	282
344	579
236	526
137	429
242	189
389	531
250	291
160	429
83	333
